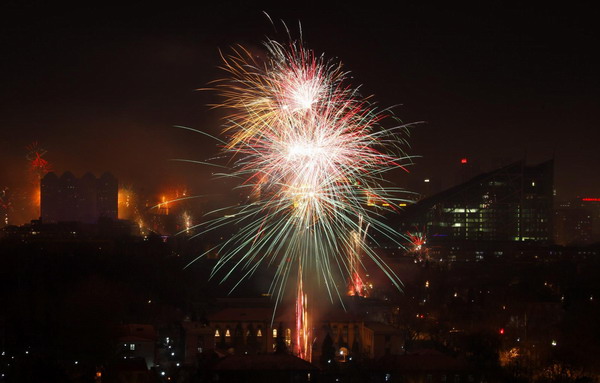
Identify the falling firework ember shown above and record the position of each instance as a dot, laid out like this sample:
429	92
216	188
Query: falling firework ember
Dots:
313	152
356	284
5	206
186	222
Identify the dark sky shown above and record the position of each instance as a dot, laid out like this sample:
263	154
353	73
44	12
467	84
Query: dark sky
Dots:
101	87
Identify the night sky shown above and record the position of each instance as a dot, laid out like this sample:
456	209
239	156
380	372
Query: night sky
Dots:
101	87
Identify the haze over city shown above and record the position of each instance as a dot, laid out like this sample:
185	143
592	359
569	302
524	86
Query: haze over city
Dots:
307	192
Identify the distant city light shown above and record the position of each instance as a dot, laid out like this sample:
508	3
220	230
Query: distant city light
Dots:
591	199
463	160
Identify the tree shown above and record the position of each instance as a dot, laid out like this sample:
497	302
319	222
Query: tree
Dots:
327	350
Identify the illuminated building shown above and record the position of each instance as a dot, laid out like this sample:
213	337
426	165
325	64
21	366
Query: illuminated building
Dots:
510	204
247	327
86	199
137	341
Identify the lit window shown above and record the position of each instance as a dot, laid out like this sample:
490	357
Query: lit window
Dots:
259	333
217	334
132	346
274	333
227	333
288	337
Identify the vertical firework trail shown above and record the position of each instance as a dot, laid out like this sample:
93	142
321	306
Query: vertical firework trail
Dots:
356	284
311	153
303	347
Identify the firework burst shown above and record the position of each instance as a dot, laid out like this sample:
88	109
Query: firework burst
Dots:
38	166
312	152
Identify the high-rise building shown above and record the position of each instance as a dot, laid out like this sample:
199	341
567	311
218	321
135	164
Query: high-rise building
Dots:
86	199
512	203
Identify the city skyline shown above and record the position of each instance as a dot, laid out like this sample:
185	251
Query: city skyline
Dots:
102	89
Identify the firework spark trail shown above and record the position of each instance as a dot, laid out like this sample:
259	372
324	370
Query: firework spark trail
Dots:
303	333
313	152
356	284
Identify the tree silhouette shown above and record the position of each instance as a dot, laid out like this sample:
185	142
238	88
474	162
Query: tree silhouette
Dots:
280	346
327	350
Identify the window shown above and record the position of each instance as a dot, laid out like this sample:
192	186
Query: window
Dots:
259	333
132	346
217	333
288	337
274	333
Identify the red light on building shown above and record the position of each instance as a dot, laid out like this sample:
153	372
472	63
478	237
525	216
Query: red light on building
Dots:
501	331
463	160
591	199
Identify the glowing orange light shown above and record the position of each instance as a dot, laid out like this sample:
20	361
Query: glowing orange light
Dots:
37	197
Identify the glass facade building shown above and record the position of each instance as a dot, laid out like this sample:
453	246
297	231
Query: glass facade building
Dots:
513	203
